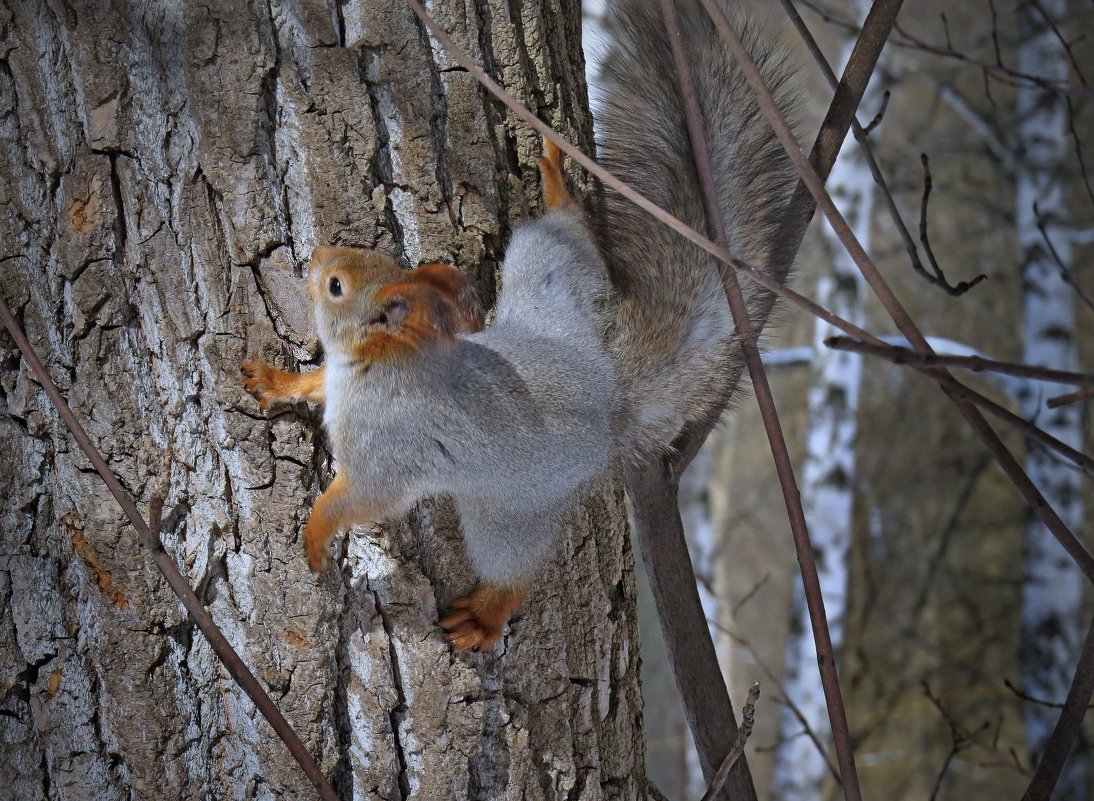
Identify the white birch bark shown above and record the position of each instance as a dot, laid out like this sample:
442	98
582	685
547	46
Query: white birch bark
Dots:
701	538
165	170
828	479
1052	624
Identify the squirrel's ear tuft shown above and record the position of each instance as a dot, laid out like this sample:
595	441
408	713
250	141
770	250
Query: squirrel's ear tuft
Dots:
391	314
458	289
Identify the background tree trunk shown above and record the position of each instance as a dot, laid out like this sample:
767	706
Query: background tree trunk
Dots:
828	473
166	169
1052	601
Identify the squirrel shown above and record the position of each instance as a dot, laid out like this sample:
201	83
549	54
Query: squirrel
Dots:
610	336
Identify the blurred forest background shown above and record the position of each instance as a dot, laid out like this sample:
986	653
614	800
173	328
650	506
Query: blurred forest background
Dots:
958	621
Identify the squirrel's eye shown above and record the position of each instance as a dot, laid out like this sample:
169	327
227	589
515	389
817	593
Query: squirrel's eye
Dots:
335	287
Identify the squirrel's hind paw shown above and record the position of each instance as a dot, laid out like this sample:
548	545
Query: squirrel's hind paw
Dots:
317	541
555	194
318	561
475	621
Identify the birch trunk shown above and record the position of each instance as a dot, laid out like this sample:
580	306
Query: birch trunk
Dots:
165	171
1052	623
828	478
694	498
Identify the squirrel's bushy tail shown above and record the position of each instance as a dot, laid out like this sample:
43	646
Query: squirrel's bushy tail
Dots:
673	338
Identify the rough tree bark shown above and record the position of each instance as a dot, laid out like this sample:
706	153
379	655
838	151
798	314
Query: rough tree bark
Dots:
828	473
165	170
1052	618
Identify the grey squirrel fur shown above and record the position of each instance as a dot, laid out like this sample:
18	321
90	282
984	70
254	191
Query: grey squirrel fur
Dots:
590	361
674	339
511	423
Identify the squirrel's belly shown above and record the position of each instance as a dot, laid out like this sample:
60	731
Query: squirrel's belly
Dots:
337	412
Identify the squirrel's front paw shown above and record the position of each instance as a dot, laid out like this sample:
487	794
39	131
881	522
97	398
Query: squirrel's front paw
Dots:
261	381
475	621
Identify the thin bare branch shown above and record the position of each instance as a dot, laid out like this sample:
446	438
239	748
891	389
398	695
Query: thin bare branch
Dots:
995	33
899	355
1081	460
961	738
1068	727
748	720
782	696
939	278
1033	699
1065	271
876	121
748	596
1051	23
1070	398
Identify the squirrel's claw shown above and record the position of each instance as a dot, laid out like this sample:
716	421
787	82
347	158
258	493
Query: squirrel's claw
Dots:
317	563
268	384
466	633
259	382
318	550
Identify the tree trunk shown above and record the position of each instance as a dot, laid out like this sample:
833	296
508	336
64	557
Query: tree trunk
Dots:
1052	623
828	477
166	169
701	538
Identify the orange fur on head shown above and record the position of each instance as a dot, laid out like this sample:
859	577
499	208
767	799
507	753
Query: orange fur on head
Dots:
378	311
459	290
410	316
358	269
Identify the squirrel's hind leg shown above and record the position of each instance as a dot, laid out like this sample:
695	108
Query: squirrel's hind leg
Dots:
507	547
269	384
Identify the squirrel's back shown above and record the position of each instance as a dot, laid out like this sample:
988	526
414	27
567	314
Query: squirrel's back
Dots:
673	334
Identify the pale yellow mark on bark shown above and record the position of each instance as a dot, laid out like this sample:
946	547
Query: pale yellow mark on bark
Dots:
86	551
53	683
